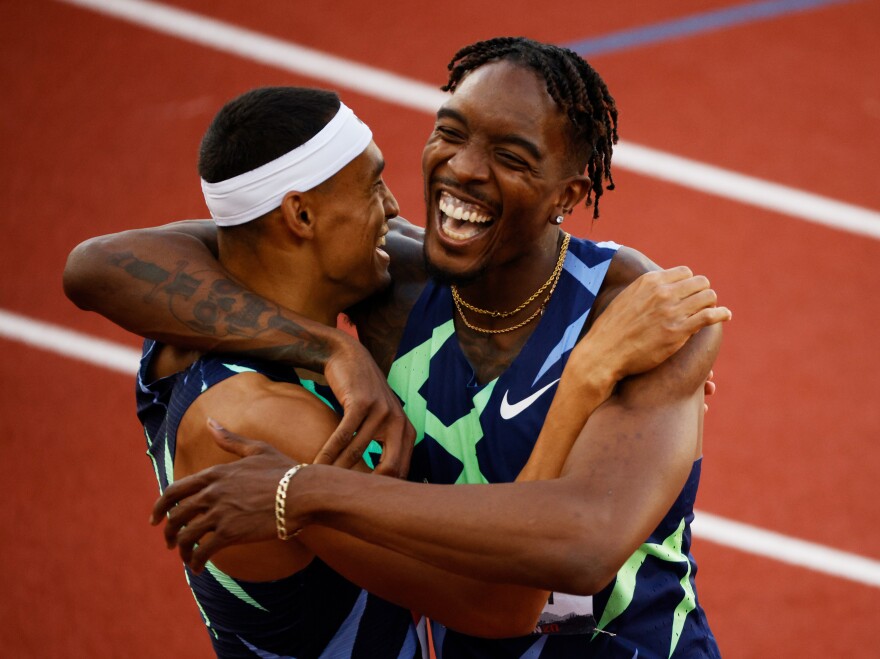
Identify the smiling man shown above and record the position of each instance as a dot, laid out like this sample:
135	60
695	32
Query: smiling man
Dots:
285	172
294	184
480	333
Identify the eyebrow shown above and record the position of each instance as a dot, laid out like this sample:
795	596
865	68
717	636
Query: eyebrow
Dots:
449	113
509	138
378	169
525	144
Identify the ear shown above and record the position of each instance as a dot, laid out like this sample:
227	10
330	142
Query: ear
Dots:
297	215
572	192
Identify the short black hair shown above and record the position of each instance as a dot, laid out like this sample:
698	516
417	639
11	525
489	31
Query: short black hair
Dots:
574	85
260	126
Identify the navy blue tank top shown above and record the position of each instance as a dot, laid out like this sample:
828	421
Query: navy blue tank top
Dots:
467	432
314	613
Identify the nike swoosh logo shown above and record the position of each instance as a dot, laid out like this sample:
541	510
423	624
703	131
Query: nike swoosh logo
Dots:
509	411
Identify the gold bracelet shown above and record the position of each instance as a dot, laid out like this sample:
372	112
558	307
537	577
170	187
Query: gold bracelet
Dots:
281	499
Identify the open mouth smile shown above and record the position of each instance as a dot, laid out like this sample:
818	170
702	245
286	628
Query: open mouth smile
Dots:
380	244
461	220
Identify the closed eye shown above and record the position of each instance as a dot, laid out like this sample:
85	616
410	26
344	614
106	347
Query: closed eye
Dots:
449	134
512	160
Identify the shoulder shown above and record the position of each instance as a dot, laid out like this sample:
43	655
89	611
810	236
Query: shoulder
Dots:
685	371
283	414
679	377
626	266
253	398
163	360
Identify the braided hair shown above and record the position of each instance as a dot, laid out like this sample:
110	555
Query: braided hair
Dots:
575	87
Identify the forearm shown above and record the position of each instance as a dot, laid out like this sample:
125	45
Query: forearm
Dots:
569	534
461	603
634	332
166	284
579	394
531	534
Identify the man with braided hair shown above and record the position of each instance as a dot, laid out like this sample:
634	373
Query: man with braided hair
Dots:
476	345
576	88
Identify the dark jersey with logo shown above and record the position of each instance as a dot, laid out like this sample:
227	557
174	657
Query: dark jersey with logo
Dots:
469	432
314	613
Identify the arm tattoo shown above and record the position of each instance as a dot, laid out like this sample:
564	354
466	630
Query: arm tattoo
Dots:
211	305
148	272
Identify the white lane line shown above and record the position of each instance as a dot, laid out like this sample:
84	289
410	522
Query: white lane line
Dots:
417	95
783	548
262	48
68	343
748	189
713	528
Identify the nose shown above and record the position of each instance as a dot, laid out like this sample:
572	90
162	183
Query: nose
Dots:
390	204
469	163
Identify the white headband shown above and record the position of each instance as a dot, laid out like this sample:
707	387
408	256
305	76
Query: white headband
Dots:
247	196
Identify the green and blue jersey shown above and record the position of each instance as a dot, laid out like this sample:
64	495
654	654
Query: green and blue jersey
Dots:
472	432
314	613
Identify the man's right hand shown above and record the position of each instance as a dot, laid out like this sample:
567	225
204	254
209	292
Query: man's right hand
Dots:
371	411
224	505
649	321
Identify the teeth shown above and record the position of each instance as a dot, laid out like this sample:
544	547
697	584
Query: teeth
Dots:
455	208
382	241
467	231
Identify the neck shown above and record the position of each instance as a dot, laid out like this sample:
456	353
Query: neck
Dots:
283	276
514	292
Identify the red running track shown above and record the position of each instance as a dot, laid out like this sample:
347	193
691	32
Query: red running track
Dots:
100	125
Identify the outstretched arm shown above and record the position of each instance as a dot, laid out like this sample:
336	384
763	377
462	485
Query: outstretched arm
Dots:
571	534
165	283
264	409
506	555
627	465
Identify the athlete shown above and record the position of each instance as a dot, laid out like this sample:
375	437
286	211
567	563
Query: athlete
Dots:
305	202
284	171
526	135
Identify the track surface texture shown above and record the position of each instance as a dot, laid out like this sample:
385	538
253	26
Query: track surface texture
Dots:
100	123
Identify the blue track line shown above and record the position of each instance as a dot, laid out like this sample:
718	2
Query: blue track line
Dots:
695	24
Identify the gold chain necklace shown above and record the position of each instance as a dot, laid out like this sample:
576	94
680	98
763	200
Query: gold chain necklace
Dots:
552	281
504	314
